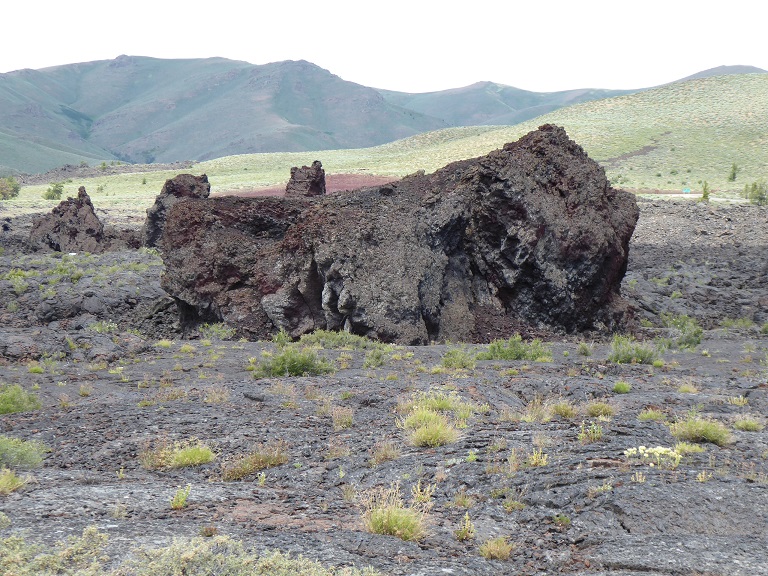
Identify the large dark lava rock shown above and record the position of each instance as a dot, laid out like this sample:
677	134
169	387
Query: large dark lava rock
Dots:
530	233
182	186
73	226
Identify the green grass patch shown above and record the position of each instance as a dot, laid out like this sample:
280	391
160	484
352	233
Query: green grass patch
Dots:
290	361
515	348
627	350
458	358
329	339
697	429
622	387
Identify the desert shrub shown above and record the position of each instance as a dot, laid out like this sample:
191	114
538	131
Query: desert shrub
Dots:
180	454
652	414
54	191
458	358
265	456
496	549
10	481
15	399
341	340
292	362
18	453
218	331
179	499
627	350
515	348
385	512
374	358
564	409
383	452
591	433
688	332
697	429
622	387
747	424
429	428
597	409
9	188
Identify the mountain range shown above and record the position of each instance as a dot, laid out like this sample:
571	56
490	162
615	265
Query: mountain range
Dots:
144	110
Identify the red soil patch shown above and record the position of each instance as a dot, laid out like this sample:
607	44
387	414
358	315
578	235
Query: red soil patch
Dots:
333	183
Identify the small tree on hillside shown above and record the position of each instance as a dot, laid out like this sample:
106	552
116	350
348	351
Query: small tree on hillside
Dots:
705	191
54	192
9	188
733	172
756	193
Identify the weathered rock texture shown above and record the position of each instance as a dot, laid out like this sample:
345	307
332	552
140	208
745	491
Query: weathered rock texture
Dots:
73	226
182	186
530	233
306	181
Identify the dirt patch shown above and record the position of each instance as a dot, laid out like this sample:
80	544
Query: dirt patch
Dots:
334	183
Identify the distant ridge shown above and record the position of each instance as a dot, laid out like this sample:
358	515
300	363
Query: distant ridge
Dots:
144	110
724	71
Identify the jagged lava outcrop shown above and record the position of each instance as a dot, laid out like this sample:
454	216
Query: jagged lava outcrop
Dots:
532	233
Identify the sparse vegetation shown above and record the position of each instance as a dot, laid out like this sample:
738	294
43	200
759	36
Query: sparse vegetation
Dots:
622	387
14	398
385	512
10	481
687	330
18	453
515	348
458	358
291	362
694	428
496	549
627	350
179	499
54	191
200	556
598	409
180	454
9	188
265	456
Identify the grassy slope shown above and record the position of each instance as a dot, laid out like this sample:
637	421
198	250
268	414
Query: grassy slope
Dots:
697	129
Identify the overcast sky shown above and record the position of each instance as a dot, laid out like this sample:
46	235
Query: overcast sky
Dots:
411	45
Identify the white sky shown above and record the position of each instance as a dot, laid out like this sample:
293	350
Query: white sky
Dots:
406	45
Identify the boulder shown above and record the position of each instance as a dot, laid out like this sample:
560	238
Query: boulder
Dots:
72	226
306	181
532	234
181	186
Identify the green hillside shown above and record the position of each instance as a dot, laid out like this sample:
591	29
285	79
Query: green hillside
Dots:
662	139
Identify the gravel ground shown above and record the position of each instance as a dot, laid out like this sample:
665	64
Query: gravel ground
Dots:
109	392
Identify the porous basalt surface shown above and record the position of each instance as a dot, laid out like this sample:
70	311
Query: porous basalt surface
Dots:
530	234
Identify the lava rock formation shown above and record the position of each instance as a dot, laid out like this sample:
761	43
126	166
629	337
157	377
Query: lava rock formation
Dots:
532	233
